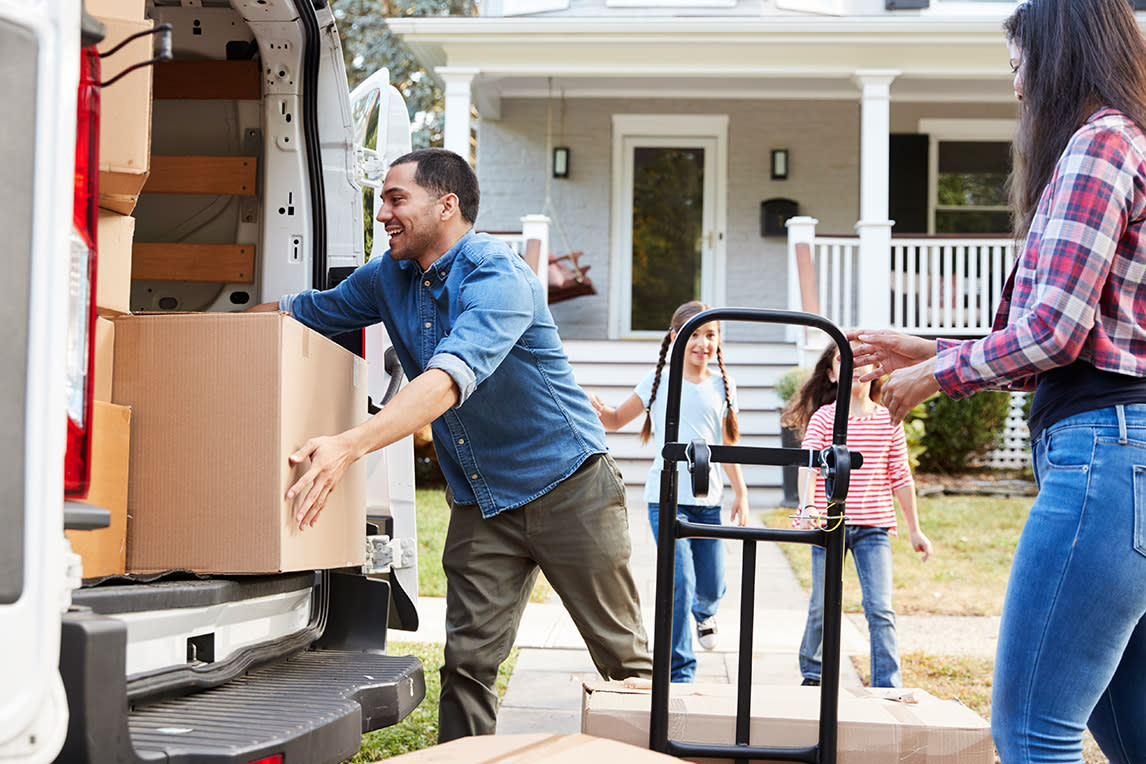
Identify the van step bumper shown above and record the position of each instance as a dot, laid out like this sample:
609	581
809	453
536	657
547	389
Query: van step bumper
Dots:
313	707
310	707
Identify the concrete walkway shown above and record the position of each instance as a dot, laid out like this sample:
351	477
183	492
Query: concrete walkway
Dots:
544	693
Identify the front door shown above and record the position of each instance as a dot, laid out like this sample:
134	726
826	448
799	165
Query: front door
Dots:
669	239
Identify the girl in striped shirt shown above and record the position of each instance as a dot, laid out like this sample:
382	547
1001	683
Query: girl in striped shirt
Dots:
873	488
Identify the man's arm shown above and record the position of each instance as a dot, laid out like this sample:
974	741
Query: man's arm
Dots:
420	402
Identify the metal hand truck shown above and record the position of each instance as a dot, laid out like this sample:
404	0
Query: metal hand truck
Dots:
835	463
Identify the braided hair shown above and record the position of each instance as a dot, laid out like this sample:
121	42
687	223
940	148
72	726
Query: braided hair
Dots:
679	318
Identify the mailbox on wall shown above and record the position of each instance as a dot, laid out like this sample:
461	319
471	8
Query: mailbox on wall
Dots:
774	213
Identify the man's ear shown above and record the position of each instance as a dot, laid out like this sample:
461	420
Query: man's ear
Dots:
450	206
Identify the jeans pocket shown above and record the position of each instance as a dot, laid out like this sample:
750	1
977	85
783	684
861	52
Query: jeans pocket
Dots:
1071	448
1140	509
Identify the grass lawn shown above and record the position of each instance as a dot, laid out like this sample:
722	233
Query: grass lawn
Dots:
973	540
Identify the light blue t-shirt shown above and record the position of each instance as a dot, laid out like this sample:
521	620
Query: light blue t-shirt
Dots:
702	409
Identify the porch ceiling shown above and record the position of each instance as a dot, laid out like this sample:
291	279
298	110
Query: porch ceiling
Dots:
772	58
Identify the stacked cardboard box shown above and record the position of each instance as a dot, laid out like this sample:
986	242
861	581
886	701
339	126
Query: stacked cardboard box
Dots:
124	155
125	108
220	401
875	726
103	551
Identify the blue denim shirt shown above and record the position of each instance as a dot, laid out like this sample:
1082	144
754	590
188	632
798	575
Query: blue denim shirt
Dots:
521	424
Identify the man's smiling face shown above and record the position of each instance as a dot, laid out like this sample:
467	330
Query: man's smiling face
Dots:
411	215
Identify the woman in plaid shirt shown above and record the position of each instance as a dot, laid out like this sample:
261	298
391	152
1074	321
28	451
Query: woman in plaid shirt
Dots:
1071	328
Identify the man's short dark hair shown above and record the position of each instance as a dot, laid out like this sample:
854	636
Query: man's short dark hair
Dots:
442	172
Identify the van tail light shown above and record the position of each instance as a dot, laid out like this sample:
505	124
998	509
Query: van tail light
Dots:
82	278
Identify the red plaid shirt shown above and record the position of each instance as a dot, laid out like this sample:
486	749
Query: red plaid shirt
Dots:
1078	288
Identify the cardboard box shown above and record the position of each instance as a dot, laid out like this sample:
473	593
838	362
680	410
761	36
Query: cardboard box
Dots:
103	550
104	359
532	749
120	9
875	726
220	401
113	277
125	116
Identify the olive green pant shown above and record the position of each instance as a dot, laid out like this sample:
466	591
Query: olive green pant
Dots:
578	535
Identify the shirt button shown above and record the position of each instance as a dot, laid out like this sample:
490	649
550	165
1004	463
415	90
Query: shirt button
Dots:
426	282
427	324
461	440
474	476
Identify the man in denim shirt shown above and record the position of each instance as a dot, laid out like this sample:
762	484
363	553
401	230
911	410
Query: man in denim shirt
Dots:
523	452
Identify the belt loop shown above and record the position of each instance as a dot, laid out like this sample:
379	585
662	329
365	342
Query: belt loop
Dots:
1120	410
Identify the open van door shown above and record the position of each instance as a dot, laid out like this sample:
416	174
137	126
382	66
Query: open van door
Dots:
382	134
39	74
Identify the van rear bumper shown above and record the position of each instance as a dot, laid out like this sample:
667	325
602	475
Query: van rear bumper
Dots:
312	706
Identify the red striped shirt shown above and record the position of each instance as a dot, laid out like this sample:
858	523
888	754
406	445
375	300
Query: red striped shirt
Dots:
870	499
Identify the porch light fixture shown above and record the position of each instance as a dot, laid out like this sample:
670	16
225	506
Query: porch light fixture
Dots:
561	162
779	164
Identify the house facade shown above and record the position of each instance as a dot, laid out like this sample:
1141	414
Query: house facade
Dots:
841	156
691	125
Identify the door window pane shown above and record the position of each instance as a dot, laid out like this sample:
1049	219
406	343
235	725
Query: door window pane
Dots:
668	208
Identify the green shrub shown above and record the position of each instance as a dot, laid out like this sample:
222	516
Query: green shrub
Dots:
915	429
959	432
789	382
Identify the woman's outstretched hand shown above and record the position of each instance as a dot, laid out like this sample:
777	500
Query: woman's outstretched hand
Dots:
887	350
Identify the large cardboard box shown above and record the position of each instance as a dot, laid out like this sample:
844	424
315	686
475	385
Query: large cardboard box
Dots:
120	9
533	749
113	276
103	550
125	116
875	726
103	360
220	402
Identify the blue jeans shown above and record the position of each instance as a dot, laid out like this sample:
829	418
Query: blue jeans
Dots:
871	550
698	585
1072	644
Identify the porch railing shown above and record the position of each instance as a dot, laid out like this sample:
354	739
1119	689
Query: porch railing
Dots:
936	285
940	286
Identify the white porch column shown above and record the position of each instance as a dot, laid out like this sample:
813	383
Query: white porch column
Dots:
874	227
457	83
536	228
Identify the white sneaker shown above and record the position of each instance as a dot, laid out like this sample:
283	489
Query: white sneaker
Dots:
706	633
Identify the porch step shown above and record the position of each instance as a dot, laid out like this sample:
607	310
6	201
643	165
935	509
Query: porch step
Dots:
612	368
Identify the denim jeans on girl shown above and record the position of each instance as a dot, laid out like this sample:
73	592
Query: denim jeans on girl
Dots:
871	550
698	584
1072	644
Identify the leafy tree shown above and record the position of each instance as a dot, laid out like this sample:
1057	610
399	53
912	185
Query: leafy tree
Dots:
368	45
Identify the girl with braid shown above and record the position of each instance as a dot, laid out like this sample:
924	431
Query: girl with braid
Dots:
707	411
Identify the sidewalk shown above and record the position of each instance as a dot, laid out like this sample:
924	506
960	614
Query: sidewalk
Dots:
544	693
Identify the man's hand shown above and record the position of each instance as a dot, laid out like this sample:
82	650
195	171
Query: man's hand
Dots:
262	307
888	350
330	457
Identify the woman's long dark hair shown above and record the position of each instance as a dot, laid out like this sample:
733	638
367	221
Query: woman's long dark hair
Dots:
818	390
679	317
1078	56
